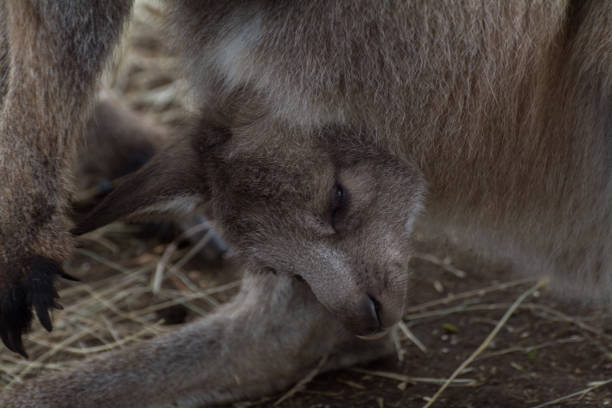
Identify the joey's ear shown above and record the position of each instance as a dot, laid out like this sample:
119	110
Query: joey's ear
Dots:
173	181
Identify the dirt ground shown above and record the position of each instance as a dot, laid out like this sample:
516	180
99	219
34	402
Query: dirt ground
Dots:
548	350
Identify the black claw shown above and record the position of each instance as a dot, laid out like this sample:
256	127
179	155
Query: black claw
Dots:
67	276
17	344
5	339
43	316
12	340
35	290
42	290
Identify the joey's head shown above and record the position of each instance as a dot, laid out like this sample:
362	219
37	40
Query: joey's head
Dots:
334	213
324	208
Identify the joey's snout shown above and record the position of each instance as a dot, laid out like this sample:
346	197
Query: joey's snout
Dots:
366	314
373	317
367	300
370	322
374	309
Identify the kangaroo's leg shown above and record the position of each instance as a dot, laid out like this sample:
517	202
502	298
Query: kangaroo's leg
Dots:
118	141
269	337
56	49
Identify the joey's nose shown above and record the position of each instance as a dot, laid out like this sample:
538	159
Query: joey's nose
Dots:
371	317
375	310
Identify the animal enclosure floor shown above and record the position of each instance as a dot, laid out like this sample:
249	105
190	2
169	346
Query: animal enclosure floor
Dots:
546	350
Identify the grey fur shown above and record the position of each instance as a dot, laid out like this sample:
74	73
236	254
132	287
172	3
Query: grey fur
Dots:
491	119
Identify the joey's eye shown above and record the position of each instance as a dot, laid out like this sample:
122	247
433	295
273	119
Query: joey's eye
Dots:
338	205
338	192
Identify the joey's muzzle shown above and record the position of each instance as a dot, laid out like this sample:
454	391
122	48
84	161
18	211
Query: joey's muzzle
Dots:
369	322
372	319
366	304
364	313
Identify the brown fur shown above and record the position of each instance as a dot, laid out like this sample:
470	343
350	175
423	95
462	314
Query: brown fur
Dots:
490	119
118	142
55	51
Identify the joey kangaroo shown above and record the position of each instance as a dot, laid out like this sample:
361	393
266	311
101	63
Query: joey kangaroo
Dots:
326	130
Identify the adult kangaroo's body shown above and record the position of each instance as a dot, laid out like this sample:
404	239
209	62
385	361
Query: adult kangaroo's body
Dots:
326	130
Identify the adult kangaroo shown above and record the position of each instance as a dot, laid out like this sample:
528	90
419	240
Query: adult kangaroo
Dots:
326	130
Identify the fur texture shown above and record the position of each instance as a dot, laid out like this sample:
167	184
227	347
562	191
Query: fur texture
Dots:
55	51
327	129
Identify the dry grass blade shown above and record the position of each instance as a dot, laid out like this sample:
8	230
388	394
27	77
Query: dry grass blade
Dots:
470	307
158	275
444	265
193	251
106	347
468	295
54	350
580	393
409	335
465	382
129	316
565	318
573	339
486	342
104	261
171	249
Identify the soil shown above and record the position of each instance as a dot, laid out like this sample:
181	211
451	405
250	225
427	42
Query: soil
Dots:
537	357
548	349
540	355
